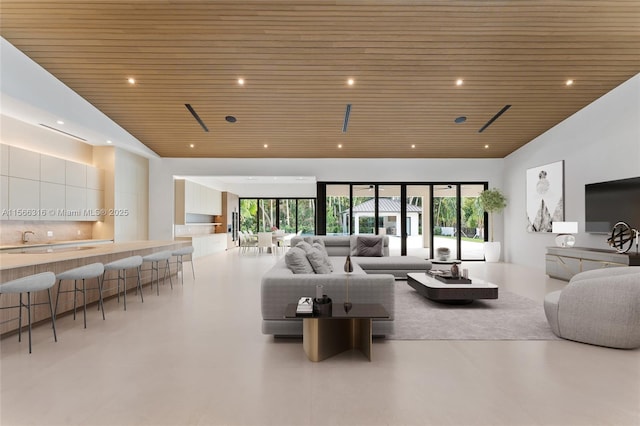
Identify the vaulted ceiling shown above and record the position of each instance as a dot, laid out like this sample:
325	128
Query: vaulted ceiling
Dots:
296	57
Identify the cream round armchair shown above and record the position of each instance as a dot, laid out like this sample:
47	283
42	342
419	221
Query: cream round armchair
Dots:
599	307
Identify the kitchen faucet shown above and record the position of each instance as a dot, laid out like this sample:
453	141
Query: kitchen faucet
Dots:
25	236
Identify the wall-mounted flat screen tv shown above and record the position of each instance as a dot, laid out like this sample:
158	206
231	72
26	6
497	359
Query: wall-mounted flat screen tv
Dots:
607	203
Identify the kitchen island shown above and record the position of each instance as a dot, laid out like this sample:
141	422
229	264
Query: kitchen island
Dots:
62	258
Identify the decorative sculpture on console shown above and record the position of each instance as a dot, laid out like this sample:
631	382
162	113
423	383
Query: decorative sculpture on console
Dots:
623	236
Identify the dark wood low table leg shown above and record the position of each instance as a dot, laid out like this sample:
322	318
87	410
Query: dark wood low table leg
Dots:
323	338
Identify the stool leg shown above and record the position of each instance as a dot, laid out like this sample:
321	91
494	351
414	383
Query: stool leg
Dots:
124	296
20	318
100	299
139	285
118	285
75	289
193	271
180	268
157	264
57	296
29	314
103	274
84	301
53	316
168	268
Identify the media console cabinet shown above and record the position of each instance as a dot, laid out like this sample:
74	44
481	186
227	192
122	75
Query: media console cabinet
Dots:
563	262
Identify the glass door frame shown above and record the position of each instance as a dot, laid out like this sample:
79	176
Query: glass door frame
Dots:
321	206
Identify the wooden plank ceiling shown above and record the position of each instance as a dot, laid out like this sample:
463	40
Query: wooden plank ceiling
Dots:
296	57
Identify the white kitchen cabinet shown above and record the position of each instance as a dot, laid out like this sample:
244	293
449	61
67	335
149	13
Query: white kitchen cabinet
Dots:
24	164
216	202
52	169
95	203
4	160
76	203
207	244
76	174
52	201
192	198
24	199
95	178
4	197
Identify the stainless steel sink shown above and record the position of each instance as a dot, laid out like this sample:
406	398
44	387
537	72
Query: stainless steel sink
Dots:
44	250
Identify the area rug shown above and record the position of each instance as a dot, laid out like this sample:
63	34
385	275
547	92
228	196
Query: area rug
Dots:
510	317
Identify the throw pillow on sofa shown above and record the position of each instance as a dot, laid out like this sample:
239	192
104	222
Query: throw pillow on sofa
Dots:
325	255
318	261
296	260
366	246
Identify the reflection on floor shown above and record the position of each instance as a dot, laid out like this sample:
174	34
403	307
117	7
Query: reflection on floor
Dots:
196	355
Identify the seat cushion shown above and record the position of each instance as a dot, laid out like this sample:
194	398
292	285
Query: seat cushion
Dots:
412	263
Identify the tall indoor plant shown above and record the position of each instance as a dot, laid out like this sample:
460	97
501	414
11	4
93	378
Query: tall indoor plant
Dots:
492	201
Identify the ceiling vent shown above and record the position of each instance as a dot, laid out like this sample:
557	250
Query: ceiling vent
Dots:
63	132
494	118
345	123
196	116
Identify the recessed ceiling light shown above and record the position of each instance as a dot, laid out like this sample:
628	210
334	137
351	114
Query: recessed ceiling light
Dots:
460	120
459	82
131	80
191	145
265	145
569	82
413	146
60	122
241	81
231	119
350	82
109	142
339	145
486	146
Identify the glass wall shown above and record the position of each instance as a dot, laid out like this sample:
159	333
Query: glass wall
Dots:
445	218
267	215
419	235
472	222
249	215
287	215
338	203
292	215
306	216
364	209
390	219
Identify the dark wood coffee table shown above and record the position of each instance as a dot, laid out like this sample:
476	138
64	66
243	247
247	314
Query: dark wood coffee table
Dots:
438	291
326	336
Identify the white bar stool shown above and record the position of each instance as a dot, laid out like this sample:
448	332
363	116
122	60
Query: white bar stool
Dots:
121	265
179	254
155	259
37	282
94	270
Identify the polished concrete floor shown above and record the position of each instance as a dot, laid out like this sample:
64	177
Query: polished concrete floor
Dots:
196	355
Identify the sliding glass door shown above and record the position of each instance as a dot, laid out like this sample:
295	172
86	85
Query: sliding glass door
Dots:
417	218
293	215
419	221
445	218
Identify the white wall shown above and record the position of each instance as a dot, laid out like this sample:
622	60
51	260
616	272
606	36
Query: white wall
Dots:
598	143
162	170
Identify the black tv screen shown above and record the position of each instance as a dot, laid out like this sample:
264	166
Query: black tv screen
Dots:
607	203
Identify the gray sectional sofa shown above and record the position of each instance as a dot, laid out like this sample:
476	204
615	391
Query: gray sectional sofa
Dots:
372	281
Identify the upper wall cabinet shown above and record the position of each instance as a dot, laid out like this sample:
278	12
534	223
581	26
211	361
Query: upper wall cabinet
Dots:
194	199
4	160
76	174
24	164
34	182
52	169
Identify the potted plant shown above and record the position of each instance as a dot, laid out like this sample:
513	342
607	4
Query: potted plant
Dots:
492	201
